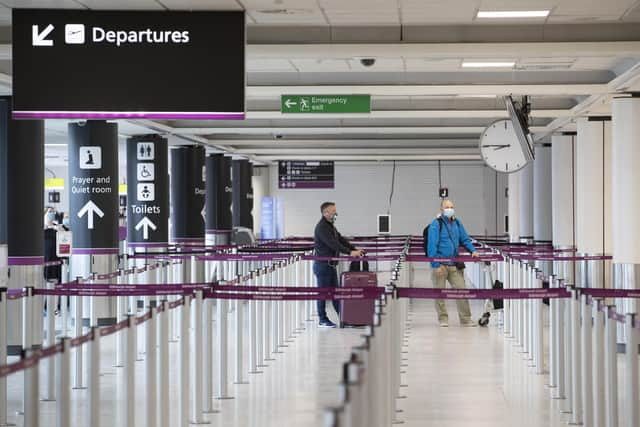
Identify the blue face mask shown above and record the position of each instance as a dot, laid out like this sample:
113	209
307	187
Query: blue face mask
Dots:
66	222
51	216
449	212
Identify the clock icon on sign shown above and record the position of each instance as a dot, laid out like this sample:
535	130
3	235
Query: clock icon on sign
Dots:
500	148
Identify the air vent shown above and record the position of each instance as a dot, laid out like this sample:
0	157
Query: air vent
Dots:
285	11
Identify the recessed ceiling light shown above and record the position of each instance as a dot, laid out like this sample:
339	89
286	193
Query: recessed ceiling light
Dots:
512	14
502	64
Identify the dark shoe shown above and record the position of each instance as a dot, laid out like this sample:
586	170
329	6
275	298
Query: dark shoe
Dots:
326	324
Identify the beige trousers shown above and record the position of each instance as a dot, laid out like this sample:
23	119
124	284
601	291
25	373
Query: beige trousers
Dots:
456	279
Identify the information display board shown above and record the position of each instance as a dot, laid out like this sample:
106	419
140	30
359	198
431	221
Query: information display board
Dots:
305	174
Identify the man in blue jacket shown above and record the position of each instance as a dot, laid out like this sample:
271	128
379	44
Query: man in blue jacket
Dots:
446	234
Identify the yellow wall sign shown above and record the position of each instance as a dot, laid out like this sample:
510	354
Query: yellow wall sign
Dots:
54	183
122	189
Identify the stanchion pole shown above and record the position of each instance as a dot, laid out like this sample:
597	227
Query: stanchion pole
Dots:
576	359
253	332
27	319
128	398
587	367
506	305
598	365
299	304
632	395
64	300
93	411
281	308
151	393
184	362
31	393
260	321
121	314
163	364
539	333
239	344
78	377
553	336
63	392
50	389
207	366
266	319
3	355
568	367
611	369
196	365
221	308
275	317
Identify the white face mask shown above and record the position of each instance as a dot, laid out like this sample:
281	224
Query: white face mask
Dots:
334	218
449	212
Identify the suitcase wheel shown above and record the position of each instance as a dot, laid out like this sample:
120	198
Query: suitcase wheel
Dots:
484	320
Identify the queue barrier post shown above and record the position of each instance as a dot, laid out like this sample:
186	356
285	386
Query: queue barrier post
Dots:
121	314
63	384
196	363
93	386
31	392
598	363
222	337
632	392
239	344
78	383
3	356
151	393
207	366
611	369
128	400
50	389
586	352
184	362
253	331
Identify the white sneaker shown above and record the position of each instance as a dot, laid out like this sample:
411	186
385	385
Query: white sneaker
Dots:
444	324
469	324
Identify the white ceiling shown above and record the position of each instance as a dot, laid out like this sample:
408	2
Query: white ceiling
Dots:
423	102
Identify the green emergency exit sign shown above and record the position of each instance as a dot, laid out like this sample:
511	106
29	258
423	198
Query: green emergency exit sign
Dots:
326	104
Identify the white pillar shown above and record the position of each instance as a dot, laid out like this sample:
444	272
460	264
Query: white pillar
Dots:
542	194
625	193
526	202
593	196
514	206
562	182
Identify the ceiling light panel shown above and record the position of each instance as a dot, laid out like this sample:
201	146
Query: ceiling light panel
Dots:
488	64
202	4
511	14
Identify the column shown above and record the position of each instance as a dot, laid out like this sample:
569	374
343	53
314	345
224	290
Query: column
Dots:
625	192
563	210
593	199
242	172
513	190
147	193
542	194
526	203
22	208
218	222
187	195
93	207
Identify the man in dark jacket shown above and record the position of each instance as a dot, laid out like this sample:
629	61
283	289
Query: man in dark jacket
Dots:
329	243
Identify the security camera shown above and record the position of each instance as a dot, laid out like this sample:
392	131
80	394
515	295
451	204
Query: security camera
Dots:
367	62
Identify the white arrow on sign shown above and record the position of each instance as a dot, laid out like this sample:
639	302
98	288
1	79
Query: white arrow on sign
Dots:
90	208
40	38
146	223
203	212
289	103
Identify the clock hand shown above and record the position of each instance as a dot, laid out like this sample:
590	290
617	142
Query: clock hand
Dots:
497	145
500	148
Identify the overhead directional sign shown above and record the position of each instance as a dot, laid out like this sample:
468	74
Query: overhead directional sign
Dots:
305	174
337	104
128	64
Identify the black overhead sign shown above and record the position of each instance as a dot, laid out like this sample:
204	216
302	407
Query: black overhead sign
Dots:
303	174
106	64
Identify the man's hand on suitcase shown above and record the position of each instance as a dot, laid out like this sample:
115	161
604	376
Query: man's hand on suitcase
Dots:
357	252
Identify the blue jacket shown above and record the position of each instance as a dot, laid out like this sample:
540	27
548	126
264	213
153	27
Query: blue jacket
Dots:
440	245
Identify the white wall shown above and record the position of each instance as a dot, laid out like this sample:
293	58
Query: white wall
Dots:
362	192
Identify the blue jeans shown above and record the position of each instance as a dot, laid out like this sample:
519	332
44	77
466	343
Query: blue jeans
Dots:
327	276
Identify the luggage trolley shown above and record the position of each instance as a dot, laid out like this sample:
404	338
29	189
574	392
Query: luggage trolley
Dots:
490	305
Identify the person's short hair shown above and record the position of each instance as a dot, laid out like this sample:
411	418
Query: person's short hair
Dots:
443	202
325	205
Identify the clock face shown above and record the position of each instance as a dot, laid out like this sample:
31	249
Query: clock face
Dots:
500	148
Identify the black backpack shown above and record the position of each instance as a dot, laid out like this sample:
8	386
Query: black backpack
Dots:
425	237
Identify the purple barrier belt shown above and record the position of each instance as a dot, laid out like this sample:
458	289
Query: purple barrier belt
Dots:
178	303
110	292
285	297
414	258
561	258
52	263
611	293
245	257
112	329
287	289
30	361
136	287
351	258
436	293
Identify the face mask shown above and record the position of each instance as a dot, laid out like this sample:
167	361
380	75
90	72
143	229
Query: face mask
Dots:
448	212
334	218
65	222
51	216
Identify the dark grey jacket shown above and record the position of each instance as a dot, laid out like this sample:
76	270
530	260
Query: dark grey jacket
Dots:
328	242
